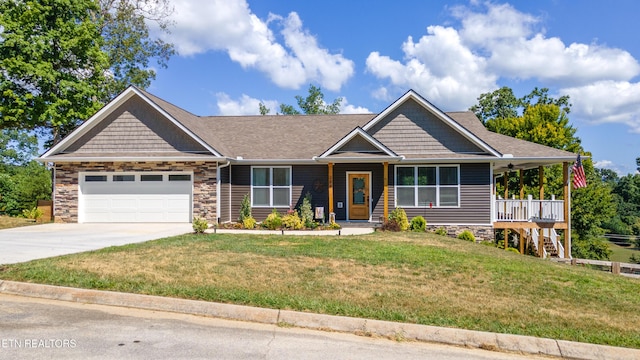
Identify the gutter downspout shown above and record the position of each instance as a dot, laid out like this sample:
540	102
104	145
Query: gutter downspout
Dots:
218	183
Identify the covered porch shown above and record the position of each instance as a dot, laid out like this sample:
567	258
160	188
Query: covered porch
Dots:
532	220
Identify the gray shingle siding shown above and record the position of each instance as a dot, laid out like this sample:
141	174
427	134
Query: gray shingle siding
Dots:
475	199
411	129
302	181
135	127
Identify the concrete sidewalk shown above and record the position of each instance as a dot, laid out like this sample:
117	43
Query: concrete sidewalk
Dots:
476	339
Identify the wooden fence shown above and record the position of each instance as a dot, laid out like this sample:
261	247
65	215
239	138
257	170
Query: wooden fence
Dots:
624	269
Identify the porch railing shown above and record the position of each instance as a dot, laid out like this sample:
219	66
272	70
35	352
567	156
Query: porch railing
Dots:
529	210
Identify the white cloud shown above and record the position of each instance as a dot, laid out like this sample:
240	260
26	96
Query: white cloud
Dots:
607	164
452	65
246	105
607	102
439	67
229	25
346	108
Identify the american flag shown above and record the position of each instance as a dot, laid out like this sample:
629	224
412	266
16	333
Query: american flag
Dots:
579	180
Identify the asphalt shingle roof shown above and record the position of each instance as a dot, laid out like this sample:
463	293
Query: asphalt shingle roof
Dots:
301	137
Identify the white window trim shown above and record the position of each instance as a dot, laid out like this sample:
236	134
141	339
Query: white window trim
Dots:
415	186
271	187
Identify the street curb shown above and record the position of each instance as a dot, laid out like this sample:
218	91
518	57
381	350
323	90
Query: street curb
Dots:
393	330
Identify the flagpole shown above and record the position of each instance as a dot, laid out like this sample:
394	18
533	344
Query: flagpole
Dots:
569	219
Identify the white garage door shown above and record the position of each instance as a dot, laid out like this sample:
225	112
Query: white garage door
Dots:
135	197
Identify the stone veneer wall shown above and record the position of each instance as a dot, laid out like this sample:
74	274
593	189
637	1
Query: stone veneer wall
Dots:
66	187
482	233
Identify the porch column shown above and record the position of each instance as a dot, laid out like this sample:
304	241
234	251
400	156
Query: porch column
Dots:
541	181
567	214
521	241
385	194
541	243
521	174
506	197
330	187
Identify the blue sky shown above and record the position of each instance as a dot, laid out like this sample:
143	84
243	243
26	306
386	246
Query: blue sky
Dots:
234	54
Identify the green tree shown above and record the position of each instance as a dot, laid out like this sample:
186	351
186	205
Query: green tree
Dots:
22	186
503	104
500	104
127	41
312	104
264	110
60	60
545	124
17	147
592	206
51	61
627	198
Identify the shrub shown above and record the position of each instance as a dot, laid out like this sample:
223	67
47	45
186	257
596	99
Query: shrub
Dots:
249	223
467	235
400	217
334	226
245	208
306	213
441	231
273	220
33	214
292	221
390	225
199	225
514	250
418	223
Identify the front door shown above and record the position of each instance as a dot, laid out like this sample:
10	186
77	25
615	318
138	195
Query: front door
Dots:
358	196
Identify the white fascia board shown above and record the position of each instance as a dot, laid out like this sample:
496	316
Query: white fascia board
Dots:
130	159
358	131
271	161
434	110
390	159
107	109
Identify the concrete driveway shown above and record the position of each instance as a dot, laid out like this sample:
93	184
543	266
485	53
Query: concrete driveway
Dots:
47	240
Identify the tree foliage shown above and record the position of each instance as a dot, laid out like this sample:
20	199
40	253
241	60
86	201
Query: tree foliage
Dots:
51	61
312	104
503	104
60	60
17	147
22	186
127	41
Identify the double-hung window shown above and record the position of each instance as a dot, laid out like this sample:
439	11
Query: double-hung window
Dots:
427	186
270	186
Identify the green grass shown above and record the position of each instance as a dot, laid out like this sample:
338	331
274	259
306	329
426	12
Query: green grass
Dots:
623	253
416	278
7	222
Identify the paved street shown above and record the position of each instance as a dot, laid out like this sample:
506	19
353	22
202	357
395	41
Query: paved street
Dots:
36	329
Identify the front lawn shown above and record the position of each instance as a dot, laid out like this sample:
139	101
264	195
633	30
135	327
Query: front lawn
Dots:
406	277
7	222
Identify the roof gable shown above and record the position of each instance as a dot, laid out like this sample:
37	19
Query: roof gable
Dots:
358	141
131	123
411	130
413	126
133	127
